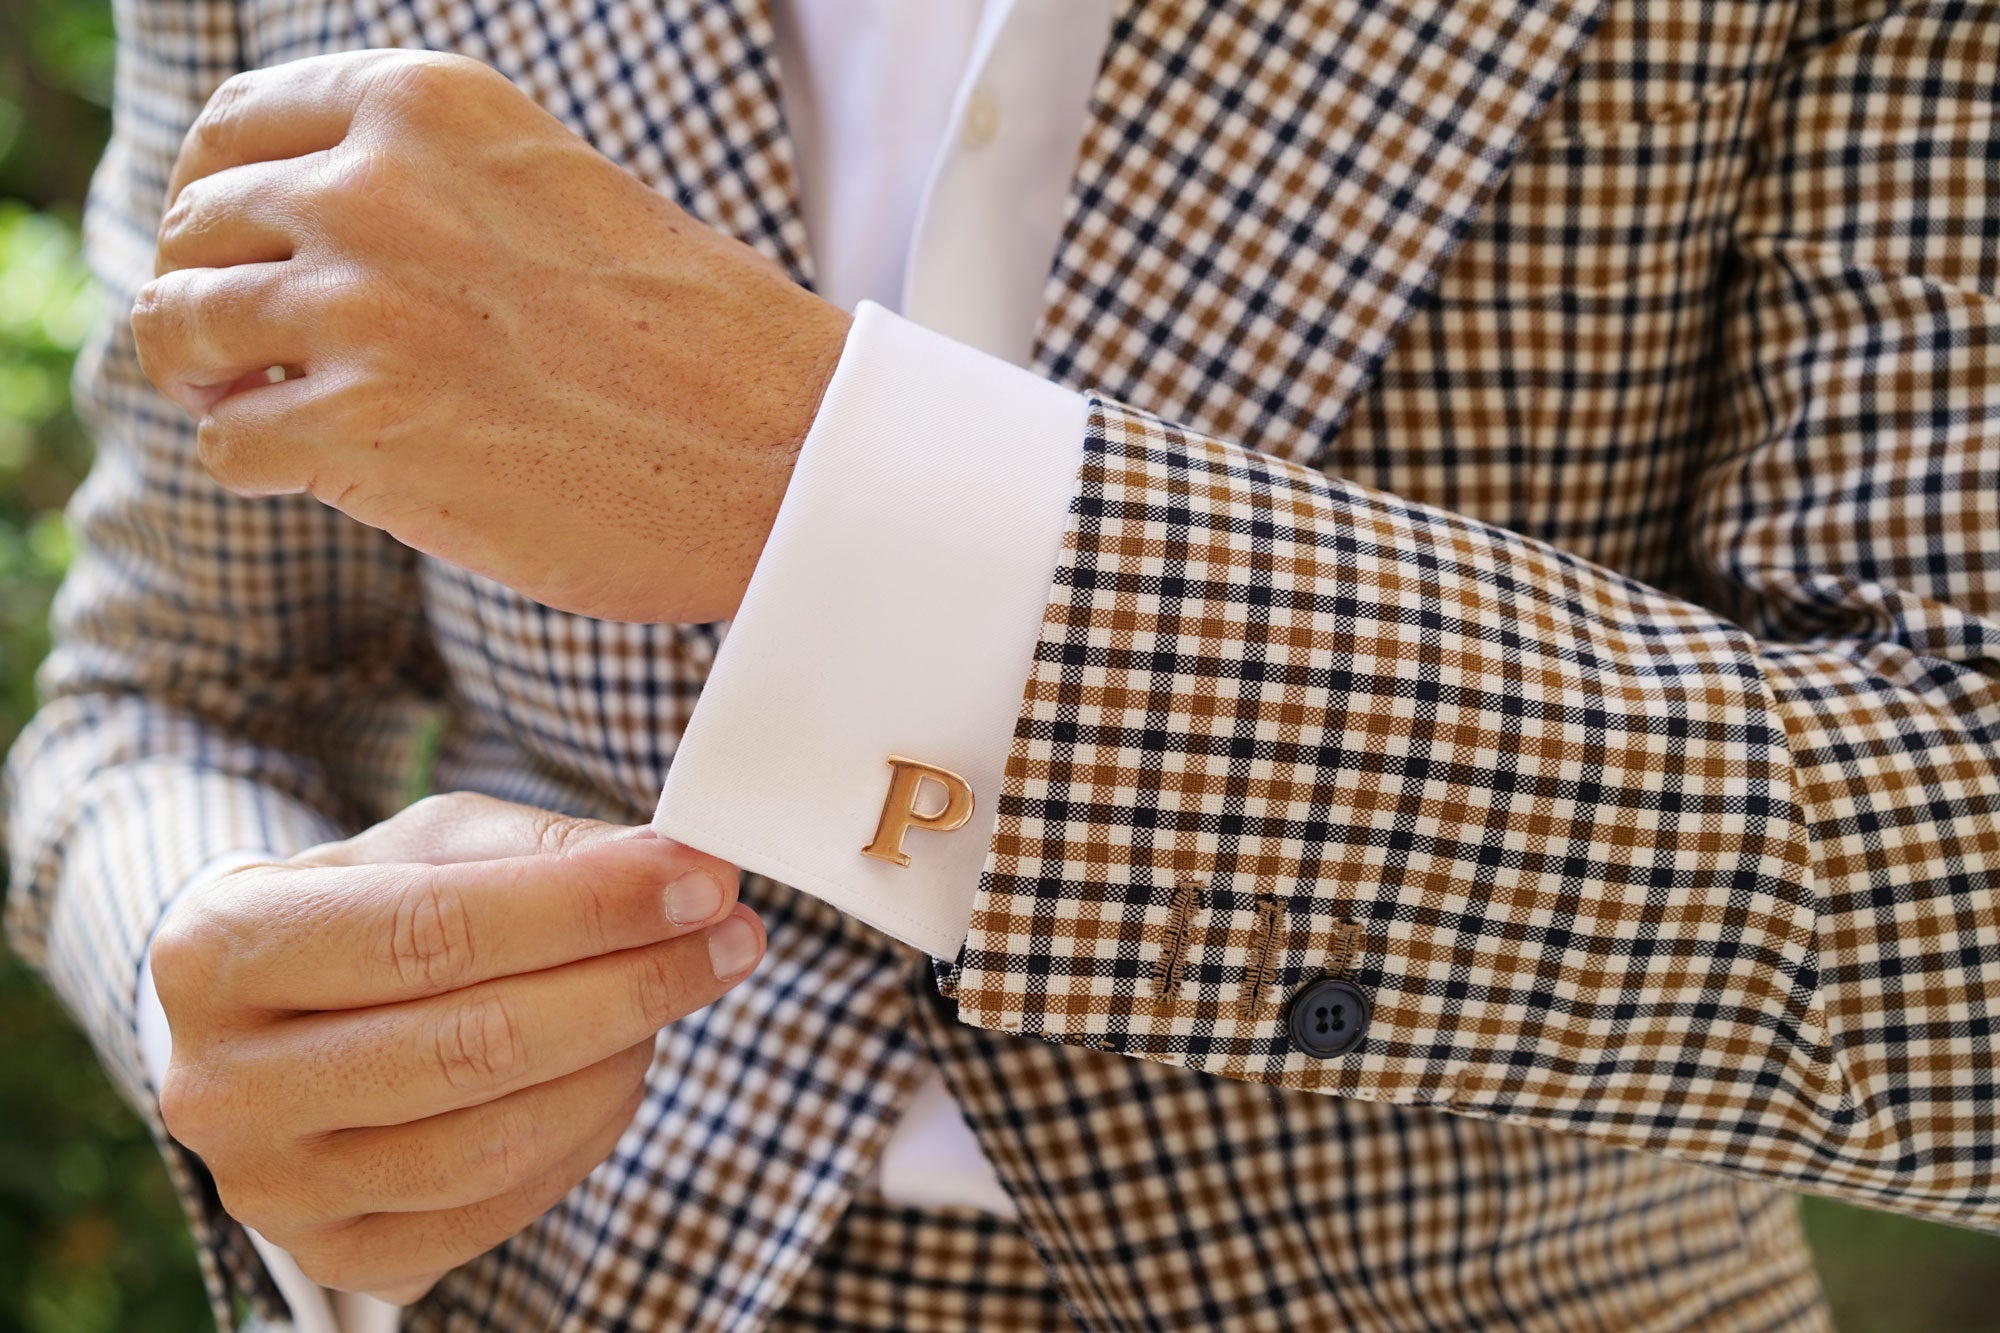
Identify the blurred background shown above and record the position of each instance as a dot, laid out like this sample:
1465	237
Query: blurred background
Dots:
91	1239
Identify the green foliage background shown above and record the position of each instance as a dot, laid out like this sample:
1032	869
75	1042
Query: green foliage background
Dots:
91	1239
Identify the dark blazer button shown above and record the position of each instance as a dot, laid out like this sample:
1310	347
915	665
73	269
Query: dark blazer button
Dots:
1328	1018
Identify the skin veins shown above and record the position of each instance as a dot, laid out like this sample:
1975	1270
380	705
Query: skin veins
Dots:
395	1052
512	354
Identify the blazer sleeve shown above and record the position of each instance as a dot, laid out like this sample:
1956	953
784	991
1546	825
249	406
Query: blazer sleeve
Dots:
1713	878
226	674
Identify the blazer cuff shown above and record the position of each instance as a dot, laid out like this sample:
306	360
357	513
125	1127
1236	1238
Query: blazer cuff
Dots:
894	612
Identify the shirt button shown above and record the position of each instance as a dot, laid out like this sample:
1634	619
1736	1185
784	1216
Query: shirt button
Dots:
1327	1018
981	121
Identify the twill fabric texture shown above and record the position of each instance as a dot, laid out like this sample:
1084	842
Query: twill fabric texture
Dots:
1533	559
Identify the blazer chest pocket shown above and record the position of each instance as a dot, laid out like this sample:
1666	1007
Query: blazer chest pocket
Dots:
1637	208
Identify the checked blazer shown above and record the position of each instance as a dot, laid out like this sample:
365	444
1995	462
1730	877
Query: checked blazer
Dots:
1535	558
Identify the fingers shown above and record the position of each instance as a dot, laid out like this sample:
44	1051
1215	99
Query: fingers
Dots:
259	438
267	115
468	826
248	214
310	105
407	1062
350	937
464	1157
398	1255
199	330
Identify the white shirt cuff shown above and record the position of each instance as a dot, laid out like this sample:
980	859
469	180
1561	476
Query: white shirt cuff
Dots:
895	610
315	1309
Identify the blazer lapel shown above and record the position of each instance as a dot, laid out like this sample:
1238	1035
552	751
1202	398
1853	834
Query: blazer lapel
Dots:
1268	187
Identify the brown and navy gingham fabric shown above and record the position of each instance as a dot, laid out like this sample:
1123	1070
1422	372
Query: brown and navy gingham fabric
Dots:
942	1270
1612	689
1545	574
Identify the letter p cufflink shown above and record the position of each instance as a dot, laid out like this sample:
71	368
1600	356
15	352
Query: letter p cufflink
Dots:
899	807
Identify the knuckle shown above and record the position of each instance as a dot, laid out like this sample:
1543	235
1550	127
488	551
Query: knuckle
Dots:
348	1172
223	112
186	958
183	214
188	1108
503	1156
311	1257
430	935
314	1189
449	807
422	79
199	210
559	834
659	987
419	80
333	1256
591	910
425	811
478	1044
257	1201
224	456
359	181
344	294
449	803
159	317
211	943
230	303
241	1200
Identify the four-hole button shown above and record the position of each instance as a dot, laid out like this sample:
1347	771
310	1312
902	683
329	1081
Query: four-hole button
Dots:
1328	1017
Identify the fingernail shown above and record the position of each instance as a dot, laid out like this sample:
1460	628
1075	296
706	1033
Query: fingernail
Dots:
732	948
693	898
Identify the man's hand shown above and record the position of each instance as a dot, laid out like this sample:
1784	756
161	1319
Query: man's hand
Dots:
395	1052
509	352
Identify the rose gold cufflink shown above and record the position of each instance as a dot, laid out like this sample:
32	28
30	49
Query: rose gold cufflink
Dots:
899	807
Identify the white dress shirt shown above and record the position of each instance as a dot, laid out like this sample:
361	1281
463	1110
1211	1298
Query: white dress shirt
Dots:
898	602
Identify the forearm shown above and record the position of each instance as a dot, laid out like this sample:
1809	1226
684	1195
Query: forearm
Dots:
1578	828
1575	841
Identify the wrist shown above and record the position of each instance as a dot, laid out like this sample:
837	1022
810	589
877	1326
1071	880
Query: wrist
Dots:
895	609
798	363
